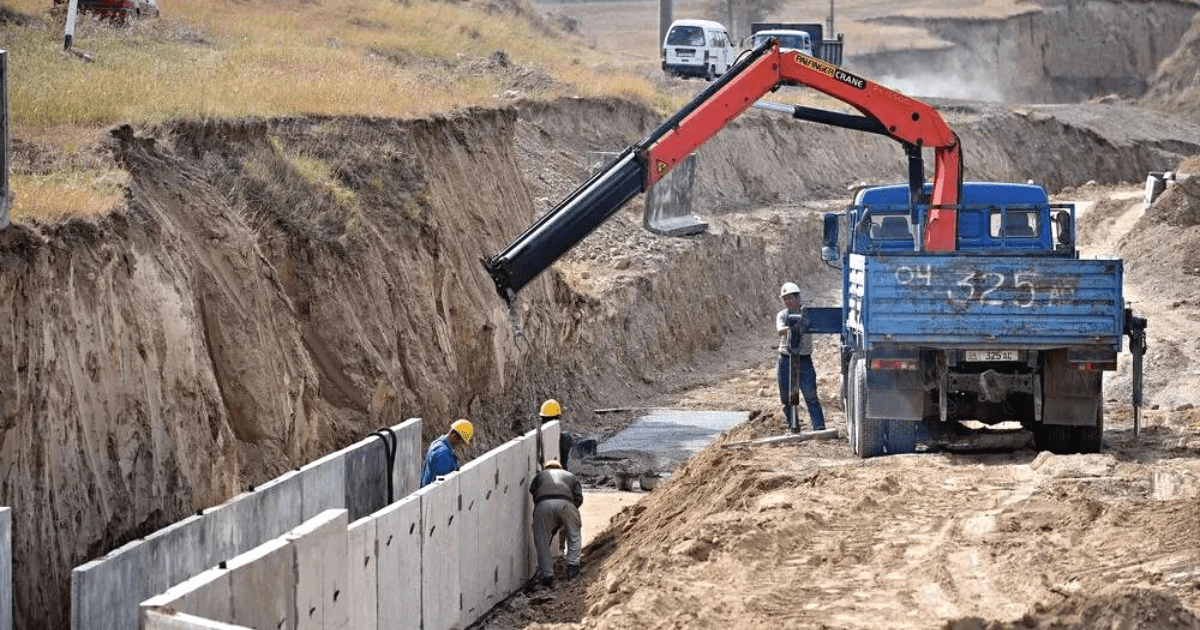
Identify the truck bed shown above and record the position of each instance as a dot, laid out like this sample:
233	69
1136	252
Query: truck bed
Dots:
1017	302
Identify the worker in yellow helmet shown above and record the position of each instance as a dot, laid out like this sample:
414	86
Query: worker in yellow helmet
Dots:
442	458
557	495
550	412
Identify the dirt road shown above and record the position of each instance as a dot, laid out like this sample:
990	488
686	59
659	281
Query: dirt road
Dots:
808	536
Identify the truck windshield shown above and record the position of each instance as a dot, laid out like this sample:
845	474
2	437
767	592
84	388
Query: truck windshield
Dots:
686	36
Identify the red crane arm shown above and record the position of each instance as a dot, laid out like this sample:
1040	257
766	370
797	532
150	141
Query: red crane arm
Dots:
903	118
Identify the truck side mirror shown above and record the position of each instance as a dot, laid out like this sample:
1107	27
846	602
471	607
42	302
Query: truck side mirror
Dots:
829	242
1062	228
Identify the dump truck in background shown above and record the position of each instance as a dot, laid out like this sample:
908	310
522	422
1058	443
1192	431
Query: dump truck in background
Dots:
830	49
959	301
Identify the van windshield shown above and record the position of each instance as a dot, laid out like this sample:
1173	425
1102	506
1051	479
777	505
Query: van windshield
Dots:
686	36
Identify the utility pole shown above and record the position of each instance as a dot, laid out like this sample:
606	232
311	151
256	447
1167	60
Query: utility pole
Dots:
664	23
828	27
69	29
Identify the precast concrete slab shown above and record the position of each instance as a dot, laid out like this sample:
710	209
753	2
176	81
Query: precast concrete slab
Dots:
6	575
105	592
398	555
159	620
323	485
669	436
410	457
440	594
321	571
367	477
171	555
479	542
507	512
361	574
208	594
262	584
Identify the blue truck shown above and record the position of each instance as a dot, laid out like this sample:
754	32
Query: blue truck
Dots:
960	301
1011	327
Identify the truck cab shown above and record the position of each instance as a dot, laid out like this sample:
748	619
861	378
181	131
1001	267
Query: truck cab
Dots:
697	48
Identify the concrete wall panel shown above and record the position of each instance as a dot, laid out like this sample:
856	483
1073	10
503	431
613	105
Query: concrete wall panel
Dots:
480	544
105	592
6	575
440	594
323	485
514	461
410	457
160	620
398	553
361	568
366	477
262	582
208	595
320	552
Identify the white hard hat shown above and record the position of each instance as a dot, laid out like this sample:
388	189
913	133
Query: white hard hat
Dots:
789	288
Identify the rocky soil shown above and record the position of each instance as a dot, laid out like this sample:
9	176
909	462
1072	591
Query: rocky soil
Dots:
235	319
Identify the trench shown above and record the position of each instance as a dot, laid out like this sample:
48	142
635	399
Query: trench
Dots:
250	320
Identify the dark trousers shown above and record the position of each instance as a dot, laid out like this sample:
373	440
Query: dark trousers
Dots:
808	388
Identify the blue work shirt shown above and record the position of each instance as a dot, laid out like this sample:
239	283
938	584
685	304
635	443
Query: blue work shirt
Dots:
440	460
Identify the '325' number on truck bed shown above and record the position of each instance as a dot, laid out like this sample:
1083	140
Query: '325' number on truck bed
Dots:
989	288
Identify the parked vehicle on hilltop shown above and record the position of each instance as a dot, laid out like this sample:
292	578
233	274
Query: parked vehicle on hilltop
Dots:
120	10
799	41
697	48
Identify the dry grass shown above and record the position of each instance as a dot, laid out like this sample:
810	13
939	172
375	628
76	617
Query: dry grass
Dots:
80	193
228	59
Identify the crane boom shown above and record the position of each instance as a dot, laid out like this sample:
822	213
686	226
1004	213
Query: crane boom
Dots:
911	122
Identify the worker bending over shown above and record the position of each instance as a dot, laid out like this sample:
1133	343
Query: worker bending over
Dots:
557	495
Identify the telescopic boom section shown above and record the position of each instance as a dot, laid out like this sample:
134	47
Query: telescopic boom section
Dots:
764	69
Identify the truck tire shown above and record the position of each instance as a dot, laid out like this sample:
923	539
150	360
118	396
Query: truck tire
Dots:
901	436
1063	439
1091	439
867	436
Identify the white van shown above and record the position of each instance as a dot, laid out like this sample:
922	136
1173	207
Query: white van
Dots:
788	40
697	48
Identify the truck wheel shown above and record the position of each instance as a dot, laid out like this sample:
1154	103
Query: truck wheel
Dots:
867	436
901	436
1068	440
1091	439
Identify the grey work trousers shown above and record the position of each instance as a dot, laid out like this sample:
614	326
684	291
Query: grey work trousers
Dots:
551	514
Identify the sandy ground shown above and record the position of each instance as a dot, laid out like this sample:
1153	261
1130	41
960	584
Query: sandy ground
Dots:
808	536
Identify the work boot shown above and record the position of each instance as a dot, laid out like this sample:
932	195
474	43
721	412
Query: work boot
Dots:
572	571
547	582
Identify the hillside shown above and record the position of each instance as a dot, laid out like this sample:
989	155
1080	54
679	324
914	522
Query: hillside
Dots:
271	285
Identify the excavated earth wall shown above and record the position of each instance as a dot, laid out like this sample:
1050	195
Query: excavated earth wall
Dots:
248	310
1055	51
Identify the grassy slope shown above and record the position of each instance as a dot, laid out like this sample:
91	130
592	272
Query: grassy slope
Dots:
262	58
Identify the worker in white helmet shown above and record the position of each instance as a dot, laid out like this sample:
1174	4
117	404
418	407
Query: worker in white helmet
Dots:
442	457
795	354
557	495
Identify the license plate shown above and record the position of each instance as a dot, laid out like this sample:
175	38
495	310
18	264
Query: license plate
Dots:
992	355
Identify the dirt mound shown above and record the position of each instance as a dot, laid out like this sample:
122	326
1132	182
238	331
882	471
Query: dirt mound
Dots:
1119	608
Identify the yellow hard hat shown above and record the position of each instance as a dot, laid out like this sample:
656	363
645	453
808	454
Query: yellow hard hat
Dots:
552	463
551	409
464	429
